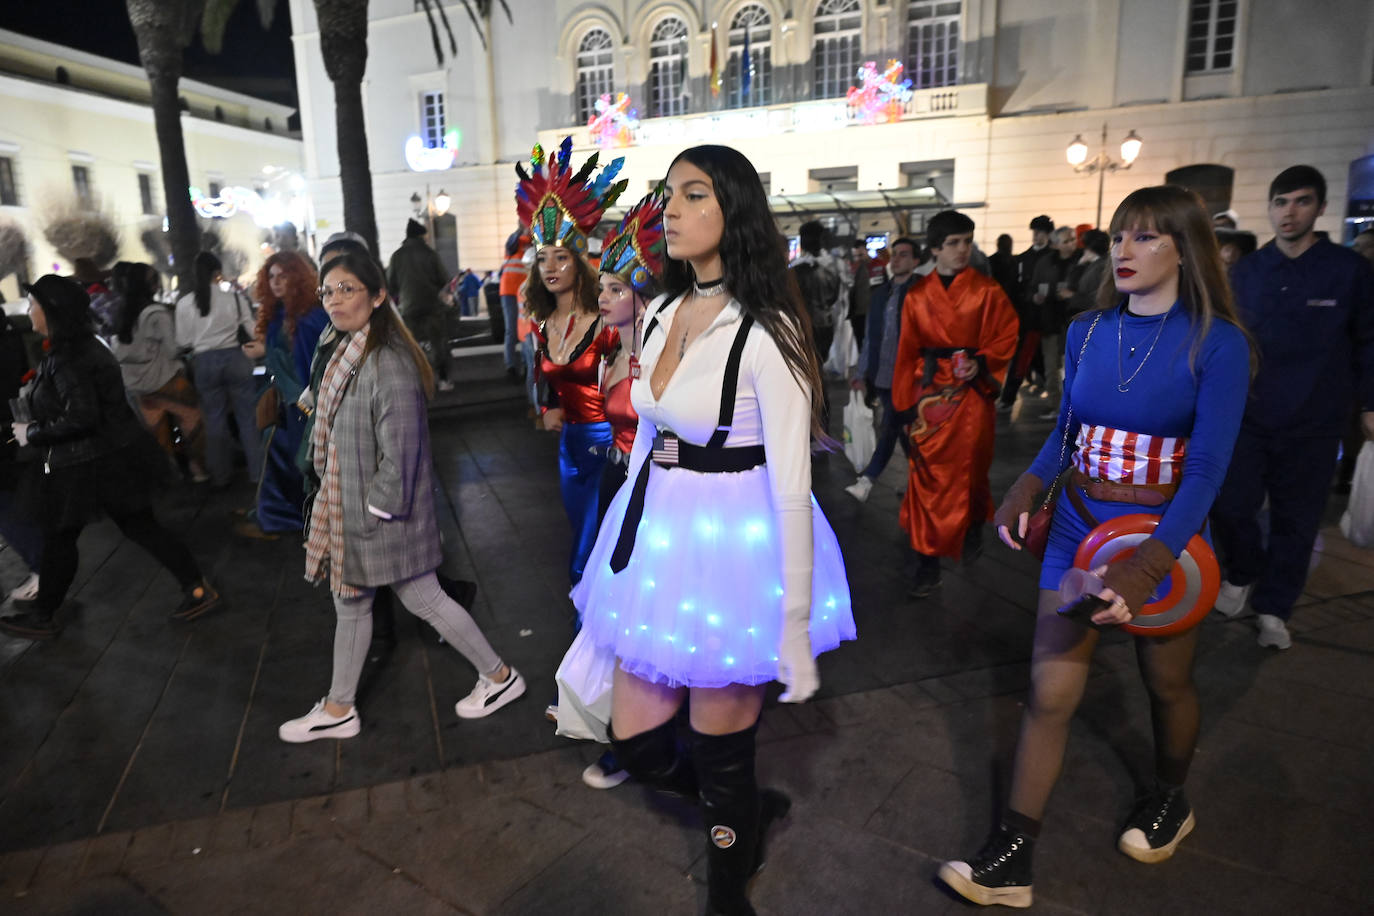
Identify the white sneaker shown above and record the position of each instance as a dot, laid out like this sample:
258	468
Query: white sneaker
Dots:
488	696
605	773
443	385
26	590
319	724
860	488
1231	599
1272	632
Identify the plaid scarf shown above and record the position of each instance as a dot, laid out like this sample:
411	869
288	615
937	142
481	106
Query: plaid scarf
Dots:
324	548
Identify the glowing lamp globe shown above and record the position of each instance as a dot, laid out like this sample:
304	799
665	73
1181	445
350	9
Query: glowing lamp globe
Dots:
1077	153
1130	148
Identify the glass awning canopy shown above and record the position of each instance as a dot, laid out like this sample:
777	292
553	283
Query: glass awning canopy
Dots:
817	204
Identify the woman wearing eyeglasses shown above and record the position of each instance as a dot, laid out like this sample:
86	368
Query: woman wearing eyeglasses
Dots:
371	518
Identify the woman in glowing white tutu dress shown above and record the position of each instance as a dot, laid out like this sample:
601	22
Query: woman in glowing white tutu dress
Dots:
715	572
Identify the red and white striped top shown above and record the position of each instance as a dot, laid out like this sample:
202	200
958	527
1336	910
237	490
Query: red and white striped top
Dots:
1125	457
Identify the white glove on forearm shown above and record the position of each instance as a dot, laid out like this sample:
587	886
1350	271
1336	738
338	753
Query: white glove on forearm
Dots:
796	665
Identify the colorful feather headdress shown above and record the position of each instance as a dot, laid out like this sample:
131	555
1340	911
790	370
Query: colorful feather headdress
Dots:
635	249
560	207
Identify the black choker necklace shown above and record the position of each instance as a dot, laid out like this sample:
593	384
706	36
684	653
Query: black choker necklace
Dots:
709	288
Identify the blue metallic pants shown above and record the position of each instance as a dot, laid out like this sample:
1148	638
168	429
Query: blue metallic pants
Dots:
582	450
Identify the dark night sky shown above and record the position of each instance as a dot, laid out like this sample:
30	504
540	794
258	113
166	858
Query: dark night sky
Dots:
253	61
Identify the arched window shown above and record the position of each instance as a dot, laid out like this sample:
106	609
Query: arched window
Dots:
835	51
595	71
753	22
932	42
668	68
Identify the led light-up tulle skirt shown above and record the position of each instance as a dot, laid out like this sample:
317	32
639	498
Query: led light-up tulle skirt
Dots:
700	603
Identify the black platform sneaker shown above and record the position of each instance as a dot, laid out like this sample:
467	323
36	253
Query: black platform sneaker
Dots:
1158	824
1000	873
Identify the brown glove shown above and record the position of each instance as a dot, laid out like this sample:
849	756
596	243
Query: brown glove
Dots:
1135	577
1020	498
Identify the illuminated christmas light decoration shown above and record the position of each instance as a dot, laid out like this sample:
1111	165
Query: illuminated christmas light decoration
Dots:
613	122
420	158
879	97
266	212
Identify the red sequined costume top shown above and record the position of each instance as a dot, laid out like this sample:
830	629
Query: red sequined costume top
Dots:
575	386
621	413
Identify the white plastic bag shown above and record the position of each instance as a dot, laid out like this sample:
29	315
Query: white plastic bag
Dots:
844	352
584	690
1357	524
859	437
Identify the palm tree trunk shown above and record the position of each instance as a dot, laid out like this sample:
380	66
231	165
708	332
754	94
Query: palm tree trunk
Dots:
355	169
163	30
176	177
343	44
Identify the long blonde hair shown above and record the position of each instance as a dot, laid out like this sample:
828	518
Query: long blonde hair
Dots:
1202	284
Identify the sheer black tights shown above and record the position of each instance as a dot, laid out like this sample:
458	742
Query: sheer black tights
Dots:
1059	673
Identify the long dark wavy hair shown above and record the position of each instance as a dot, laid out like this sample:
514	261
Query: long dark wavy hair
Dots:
207	265
754	256
384	325
300	295
542	303
137	284
1202	284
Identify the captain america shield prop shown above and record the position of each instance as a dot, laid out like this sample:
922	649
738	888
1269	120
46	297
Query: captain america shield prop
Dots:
1184	597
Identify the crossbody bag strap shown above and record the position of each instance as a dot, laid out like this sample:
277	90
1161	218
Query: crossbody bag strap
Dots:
1061	479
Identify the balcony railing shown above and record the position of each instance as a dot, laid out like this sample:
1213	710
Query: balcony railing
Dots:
791	117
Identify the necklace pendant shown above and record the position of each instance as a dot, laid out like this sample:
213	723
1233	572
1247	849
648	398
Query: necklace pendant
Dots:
1123	388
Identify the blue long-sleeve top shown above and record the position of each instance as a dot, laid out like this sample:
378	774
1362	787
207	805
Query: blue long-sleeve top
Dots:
1312	318
1204	402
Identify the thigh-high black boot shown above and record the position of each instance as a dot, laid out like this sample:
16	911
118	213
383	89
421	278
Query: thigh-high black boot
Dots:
656	759
735	815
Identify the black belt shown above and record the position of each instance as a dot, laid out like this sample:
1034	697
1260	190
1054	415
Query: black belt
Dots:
715	460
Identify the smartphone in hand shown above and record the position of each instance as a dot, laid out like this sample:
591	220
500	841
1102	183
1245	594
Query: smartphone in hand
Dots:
1084	608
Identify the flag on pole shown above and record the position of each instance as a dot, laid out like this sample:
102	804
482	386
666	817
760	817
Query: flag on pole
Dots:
683	79
746	66
715	64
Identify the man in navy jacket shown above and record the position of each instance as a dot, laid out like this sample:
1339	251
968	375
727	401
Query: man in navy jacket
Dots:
878	358
1309	304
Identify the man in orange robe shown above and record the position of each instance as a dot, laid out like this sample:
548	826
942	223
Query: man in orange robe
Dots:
958	336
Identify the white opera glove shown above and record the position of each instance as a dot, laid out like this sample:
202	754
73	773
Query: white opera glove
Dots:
796	665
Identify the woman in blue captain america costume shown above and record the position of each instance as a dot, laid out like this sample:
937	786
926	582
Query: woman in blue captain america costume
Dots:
715	572
1155	385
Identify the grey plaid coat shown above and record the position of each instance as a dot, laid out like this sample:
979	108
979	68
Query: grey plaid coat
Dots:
381	433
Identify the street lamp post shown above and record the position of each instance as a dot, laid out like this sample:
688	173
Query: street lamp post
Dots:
1077	155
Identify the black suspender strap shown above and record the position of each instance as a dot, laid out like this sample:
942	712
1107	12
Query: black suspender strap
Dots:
728	386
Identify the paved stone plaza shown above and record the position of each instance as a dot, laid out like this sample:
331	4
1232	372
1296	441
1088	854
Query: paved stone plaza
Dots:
140	771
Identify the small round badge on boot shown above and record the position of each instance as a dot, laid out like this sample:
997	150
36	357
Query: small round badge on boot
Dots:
722	836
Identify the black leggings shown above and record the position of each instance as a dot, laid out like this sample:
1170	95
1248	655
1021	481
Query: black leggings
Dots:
60	556
1059	674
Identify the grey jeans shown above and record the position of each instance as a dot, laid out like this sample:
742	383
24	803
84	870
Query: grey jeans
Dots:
423	597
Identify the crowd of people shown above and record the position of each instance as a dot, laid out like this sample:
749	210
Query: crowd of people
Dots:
1192	375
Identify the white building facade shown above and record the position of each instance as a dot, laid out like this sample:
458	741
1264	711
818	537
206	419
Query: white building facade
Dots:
78	126
1223	93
